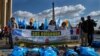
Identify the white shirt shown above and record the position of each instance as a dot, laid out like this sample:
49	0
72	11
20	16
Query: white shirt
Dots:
51	27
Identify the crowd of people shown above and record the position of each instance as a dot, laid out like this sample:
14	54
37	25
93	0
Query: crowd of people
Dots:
13	24
86	28
52	24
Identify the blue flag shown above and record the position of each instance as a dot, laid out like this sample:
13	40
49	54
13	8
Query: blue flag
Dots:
18	20
37	27
58	22
45	24
35	24
24	23
69	25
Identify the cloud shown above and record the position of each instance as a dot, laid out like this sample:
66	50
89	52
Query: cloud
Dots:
65	12
69	11
98	25
23	14
95	13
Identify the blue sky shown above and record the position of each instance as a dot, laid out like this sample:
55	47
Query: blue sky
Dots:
36	6
70	9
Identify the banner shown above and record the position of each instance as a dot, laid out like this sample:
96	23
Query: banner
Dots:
44	36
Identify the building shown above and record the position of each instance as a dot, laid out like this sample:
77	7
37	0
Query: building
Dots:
5	11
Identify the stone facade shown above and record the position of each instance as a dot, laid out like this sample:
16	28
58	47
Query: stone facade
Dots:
5	11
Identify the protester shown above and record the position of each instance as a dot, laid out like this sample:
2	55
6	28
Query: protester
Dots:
83	26
12	23
52	25
41	27
90	28
30	26
63	26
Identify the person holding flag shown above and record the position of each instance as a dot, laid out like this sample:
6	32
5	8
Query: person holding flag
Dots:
42	26
30	26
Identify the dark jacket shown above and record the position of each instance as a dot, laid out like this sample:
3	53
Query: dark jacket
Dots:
30	27
91	24
84	26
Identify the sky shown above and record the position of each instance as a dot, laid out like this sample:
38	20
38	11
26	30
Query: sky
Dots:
64	9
